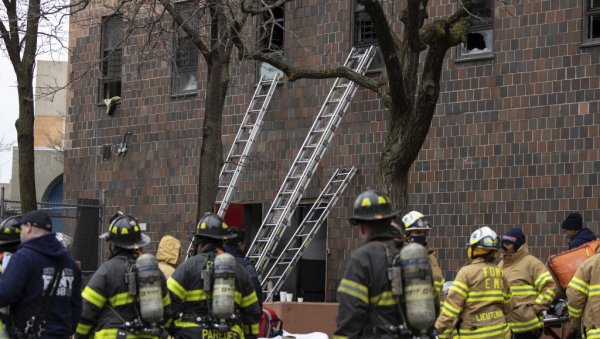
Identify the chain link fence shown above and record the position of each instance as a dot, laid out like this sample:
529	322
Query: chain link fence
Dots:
80	222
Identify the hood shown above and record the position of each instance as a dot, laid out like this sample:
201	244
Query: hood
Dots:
47	245
233	250
168	250
518	255
585	234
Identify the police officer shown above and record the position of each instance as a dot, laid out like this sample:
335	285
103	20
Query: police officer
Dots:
367	308
416	229
479	298
191	288
111	307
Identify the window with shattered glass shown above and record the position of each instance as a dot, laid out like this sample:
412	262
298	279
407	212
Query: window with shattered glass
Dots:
112	57
185	64
364	35
480	39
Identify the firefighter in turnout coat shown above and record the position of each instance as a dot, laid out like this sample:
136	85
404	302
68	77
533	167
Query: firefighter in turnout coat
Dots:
192	291
583	294
109	308
367	308
479	297
416	229
531	285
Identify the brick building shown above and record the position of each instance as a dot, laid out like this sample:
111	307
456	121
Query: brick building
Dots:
515	140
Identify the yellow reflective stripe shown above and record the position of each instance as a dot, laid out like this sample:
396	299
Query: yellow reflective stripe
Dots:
594	290
354	289
485	296
340	337
121	299
166	300
175	287
542	280
548	295
450	310
93	297
525	326
83	328
195	295
523	290
249	299
111	333
592	333
383	299
255	329
459	287
579	285
237	297
574	312
484	331
184	324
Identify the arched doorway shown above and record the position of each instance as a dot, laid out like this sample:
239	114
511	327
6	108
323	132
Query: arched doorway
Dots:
54	197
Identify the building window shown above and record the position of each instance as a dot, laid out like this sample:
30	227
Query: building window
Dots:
112	57
185	65
592	16
272	27
480	39
364	35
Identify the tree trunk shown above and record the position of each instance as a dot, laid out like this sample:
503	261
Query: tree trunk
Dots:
211	151
24	126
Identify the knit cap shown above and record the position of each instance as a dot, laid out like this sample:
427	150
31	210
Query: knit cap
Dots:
573	221
516	236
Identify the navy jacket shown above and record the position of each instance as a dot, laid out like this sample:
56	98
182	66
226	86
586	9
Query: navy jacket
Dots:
582	236
30	269
247	265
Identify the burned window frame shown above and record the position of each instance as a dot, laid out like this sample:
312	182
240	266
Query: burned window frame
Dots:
361	19
184	68
591	11
111	64
271	30
482	25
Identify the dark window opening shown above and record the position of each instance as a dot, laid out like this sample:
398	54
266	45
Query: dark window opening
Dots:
185	66
112	57
364	35
593	19
272	30
480	39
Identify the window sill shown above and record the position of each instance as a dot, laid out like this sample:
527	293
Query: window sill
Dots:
590	43
474	57
184	95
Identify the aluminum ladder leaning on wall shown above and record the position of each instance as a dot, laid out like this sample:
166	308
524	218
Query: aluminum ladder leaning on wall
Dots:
305	164
312	222
242	145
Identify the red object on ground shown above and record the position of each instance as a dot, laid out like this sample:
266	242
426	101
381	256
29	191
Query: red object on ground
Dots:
269	325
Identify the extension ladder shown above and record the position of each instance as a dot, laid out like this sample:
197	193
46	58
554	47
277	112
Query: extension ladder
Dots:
242	145
312	150
304	234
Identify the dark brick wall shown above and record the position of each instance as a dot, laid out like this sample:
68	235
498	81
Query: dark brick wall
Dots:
514	141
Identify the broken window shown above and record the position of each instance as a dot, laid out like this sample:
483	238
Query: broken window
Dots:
112	57
185	65
364	34
592	19
271	30
480	39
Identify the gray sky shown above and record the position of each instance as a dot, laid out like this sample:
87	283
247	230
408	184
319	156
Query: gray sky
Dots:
10	113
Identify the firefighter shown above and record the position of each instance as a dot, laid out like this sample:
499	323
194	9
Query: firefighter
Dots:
584	299
531	285
367	306
416	229
10	238
192	292
479	298
112	302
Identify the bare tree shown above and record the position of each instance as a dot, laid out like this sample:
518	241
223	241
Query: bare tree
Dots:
28	29
412	97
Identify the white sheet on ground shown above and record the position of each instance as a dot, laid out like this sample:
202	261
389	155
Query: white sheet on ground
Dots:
313	335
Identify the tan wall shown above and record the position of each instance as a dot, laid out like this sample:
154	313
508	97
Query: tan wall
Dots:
48	131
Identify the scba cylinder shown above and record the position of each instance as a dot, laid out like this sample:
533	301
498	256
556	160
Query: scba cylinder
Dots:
149	289
418	287
224	286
